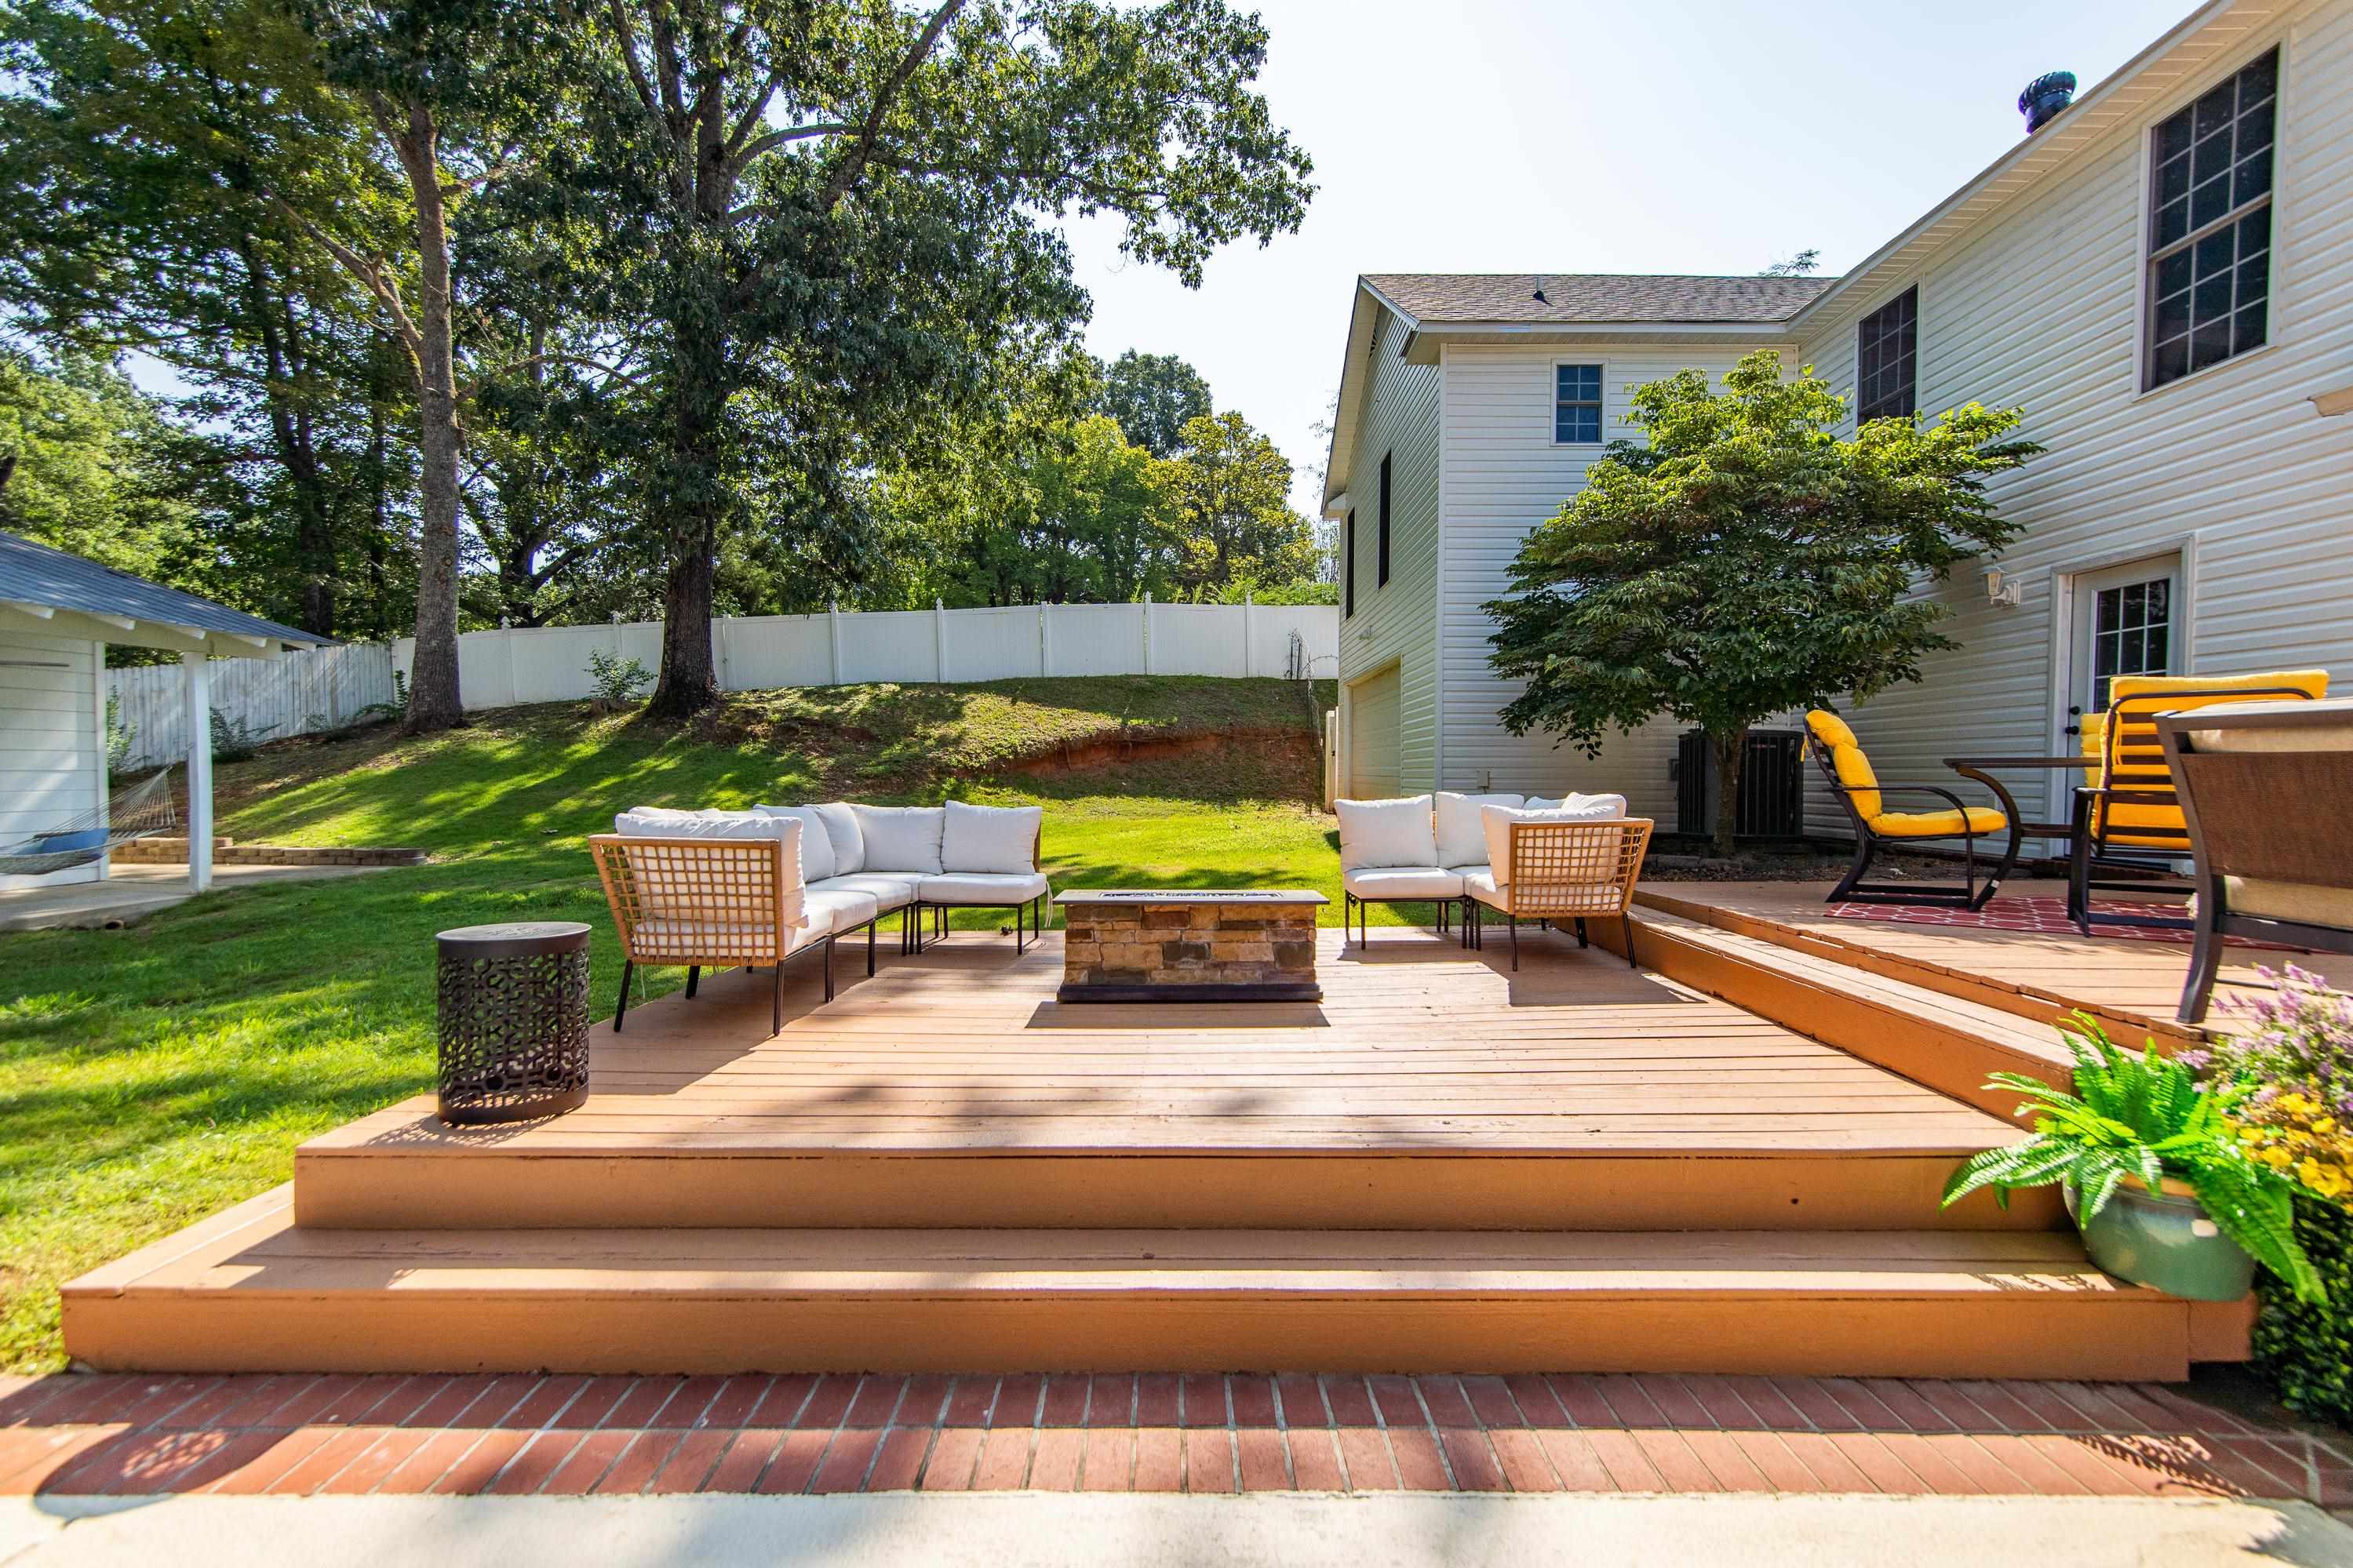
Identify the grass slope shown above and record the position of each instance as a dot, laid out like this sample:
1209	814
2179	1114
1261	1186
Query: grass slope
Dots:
151	1076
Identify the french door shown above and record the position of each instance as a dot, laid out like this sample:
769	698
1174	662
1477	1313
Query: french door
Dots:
2127	622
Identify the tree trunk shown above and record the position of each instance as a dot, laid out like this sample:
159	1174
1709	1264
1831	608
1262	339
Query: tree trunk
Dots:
434	701
1731	748
689	680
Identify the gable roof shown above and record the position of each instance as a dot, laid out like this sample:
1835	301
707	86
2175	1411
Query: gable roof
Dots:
39	584
1432	298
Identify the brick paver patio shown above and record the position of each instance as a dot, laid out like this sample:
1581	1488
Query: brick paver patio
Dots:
298	1433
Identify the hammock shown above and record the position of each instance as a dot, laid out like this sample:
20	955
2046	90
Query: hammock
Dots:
138	812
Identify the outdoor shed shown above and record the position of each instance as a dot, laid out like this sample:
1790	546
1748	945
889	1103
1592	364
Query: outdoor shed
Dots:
58	614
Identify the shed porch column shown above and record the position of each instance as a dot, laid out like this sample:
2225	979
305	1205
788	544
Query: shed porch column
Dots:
200	772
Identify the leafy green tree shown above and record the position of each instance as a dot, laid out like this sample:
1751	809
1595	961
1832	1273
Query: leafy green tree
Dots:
1233	492
85	467
151	155
1746	560
827	222
1152	397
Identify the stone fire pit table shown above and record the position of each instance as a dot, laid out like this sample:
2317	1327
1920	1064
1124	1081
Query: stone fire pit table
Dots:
1210	945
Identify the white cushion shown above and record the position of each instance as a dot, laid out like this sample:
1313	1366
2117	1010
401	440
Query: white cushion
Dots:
901	837
826	910
1593	806
1411	882
1461	837
888	892
660	822
1000	838
1386	833
1481	884
817	845
1002	888
715	941
840	819
1498	820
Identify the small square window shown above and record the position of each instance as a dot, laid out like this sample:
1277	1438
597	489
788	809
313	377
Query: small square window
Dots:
1577	404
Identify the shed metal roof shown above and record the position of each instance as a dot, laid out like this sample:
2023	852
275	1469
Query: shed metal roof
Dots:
38	584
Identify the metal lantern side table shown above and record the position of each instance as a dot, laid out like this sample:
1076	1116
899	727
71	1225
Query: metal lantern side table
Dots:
514	1021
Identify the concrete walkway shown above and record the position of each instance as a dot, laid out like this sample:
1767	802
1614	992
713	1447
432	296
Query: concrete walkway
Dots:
1014	1530
132	892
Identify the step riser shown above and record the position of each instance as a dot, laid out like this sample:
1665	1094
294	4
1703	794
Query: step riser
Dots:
1949	1061
1999	1335
485	1190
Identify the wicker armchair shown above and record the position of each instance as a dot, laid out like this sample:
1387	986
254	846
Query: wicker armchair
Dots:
717	903
1562	872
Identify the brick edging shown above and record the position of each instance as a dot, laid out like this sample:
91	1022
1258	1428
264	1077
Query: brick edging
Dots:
228	852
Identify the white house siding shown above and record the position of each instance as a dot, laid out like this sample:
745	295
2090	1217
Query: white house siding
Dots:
52	767
1503	475
1396	624
2232	467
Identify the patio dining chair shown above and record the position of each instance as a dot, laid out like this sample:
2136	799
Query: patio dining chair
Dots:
1850	777
2267	789
2129	832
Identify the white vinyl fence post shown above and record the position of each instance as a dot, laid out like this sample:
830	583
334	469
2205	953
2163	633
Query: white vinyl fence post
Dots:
200	772
1148	632
719	647
940	640
1044	638
1249	665
833	634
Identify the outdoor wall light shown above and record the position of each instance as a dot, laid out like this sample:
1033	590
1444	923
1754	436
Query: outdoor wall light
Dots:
2002	590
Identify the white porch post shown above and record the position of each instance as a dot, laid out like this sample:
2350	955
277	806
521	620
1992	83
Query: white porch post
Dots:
200	772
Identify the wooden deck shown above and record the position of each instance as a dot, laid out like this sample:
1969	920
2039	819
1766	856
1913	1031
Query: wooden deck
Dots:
2132	985
1441	1166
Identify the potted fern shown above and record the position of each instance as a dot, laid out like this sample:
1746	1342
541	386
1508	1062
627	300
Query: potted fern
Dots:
2156	1176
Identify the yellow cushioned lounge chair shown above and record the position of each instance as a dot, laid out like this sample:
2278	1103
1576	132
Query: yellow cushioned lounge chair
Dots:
2128	814
1858	788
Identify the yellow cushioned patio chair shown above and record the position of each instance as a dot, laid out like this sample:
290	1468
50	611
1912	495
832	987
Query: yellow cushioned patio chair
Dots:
2128	816
1831	742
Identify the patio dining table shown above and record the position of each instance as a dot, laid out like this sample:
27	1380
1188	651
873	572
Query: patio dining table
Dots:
1981	770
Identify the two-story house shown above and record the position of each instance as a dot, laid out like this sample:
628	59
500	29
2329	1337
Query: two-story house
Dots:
2161	276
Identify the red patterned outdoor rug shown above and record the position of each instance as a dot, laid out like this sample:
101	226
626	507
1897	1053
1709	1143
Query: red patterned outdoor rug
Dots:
2037	916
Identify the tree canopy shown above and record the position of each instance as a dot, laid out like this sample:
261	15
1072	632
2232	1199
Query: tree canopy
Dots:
1153	397
1744	560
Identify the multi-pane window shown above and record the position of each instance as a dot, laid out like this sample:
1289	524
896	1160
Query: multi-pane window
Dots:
2210	241
1886	360
1576	402
1348	565
1381	581
2132	633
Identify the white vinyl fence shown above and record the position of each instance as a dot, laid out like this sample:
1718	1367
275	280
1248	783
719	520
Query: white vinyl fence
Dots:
293	694
754	653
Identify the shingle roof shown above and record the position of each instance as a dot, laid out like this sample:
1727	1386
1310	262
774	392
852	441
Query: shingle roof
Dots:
1594	296
33	573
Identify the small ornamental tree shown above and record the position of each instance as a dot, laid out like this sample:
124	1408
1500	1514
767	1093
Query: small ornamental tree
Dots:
1744	562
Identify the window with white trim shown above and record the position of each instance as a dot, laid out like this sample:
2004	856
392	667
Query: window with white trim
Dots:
1887	358
2209	235
1576	404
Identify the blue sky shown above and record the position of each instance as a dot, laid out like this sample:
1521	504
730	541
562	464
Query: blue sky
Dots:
1631	136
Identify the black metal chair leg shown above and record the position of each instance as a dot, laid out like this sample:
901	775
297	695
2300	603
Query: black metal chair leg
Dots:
828	969
1019	910
628	967
693	973
1865	847
1515	945
870	945
2206	957
2079	871
1582	939
776	997
1626	921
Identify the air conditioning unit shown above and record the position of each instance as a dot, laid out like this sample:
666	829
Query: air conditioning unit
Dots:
1772	785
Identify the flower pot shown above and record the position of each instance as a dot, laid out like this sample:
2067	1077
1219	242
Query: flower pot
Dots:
2164	1240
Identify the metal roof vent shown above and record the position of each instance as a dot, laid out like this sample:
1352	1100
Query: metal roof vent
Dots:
2044	97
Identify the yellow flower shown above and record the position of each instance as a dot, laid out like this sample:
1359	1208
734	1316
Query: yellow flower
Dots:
2324	1126
2276	1157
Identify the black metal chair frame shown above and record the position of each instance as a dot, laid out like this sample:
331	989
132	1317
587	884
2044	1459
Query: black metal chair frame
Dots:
1474	931
2215	920
1971	894
2088	853
1352	915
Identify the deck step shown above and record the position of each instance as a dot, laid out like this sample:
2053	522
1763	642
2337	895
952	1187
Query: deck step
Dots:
252	1291
402	1168
1944	1042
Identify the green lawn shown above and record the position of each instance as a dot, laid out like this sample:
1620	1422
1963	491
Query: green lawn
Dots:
151	1076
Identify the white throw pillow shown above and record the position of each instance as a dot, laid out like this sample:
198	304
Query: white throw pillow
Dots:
989	837
1380	833
1461	836
1498	820
817	844
902	837
840	819
1594	807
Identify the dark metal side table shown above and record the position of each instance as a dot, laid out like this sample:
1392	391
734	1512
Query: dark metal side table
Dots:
513	1021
